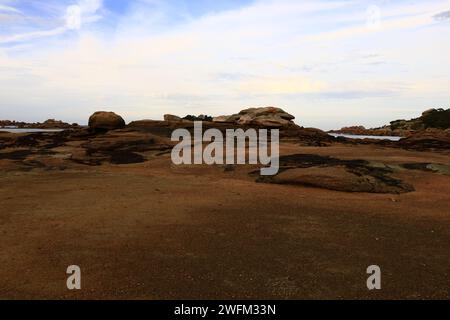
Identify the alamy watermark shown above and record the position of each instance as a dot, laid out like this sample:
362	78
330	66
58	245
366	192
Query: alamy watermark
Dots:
373	17
236	147
74	280
374	280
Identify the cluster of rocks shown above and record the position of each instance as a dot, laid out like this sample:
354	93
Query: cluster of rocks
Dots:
104	120
269	117
48	124
361	130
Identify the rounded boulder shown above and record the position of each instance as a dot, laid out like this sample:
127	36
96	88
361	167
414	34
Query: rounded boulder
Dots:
103	120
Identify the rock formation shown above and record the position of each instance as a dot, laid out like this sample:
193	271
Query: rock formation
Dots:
264	117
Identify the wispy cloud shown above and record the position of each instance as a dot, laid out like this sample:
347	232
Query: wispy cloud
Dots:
73	18
9	9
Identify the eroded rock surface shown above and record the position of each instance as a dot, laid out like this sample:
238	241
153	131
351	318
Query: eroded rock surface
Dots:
265	117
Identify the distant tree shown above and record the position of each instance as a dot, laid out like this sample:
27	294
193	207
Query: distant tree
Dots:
439	118
198	118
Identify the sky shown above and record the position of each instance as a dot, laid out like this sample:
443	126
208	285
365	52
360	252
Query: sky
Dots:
330	63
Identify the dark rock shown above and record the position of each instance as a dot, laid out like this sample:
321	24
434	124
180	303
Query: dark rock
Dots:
125	157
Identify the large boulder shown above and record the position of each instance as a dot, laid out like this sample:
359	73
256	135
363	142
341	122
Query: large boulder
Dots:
264	117
103	120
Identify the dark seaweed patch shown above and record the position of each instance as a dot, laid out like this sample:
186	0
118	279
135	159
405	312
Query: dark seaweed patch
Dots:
313	160
416	166
15	155
126	157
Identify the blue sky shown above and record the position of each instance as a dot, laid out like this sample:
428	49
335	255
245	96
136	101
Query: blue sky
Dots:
331	63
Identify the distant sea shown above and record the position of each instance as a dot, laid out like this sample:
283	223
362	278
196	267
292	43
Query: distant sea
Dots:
354	136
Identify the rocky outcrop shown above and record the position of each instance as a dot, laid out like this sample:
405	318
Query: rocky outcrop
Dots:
126	140
56	124
269	117
336	174
103	121
427	139
430	119
361	130
336	178
119	147
48	124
